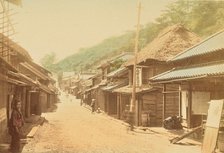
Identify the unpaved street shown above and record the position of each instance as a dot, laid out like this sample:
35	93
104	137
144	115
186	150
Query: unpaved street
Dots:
73	129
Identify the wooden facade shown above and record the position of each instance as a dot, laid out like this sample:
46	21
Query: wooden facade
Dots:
193	83
18	82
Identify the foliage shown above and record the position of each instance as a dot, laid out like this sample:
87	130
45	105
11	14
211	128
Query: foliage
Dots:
202	17
48	61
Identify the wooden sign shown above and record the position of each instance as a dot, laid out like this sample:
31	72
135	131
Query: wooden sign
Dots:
212	126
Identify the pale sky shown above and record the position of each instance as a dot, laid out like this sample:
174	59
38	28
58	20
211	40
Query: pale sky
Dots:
64	26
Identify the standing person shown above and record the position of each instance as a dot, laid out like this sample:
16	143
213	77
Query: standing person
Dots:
15	126
82	98
93	105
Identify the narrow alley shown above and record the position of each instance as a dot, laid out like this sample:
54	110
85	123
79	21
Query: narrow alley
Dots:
74	129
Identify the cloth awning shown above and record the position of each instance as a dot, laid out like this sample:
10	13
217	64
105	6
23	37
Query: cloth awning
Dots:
192	72
128	89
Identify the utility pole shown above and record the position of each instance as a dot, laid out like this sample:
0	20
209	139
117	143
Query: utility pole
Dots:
133	100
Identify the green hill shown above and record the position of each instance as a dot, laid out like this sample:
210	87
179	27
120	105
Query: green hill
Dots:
202	17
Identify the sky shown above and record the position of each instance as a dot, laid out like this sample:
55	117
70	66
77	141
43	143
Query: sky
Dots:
65	26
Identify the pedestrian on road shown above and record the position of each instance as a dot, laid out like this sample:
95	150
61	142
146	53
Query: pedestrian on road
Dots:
16	123
93	105
82	98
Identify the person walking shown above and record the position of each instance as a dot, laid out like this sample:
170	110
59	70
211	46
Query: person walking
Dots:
93	105
16	123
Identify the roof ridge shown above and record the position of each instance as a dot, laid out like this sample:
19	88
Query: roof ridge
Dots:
200	64
206	39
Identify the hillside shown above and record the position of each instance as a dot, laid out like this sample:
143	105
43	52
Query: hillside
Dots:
202	17
88	56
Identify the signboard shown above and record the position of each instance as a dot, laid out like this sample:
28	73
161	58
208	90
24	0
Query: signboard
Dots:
212	126
200	102
214	113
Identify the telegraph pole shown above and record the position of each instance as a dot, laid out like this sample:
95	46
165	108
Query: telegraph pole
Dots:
133	100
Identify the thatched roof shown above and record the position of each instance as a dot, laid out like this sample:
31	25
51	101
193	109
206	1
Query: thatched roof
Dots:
17	48
170	41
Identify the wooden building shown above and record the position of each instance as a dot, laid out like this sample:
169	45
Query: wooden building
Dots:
196	79
151	61
7	87
116	79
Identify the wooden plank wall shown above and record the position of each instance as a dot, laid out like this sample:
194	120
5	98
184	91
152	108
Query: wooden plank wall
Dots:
172	100
152	103
100	100
112	102
3	103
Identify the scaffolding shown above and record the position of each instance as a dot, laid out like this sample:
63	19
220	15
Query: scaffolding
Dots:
6	30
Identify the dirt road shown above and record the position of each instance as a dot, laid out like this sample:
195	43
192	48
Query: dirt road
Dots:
74	129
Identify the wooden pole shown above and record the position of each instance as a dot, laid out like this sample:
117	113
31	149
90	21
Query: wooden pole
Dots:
164	102
133	100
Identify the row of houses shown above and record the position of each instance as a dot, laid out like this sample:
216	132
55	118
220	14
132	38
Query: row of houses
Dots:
21	78
177	75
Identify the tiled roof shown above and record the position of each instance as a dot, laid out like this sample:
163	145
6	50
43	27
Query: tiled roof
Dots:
192	72
128	89
115	85
209	45
119	71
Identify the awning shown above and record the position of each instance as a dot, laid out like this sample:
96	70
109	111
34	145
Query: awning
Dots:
45	88
118	72
94	87
35	71
114	86
192	72
23	77
128	89
27	79
87	83
103	83
16	82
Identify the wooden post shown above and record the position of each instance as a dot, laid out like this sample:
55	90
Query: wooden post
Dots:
28	104
164	101
180	101
189	109
133	99
23	99
118	106
130	76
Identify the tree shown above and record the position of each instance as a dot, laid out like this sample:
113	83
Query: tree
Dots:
48	61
